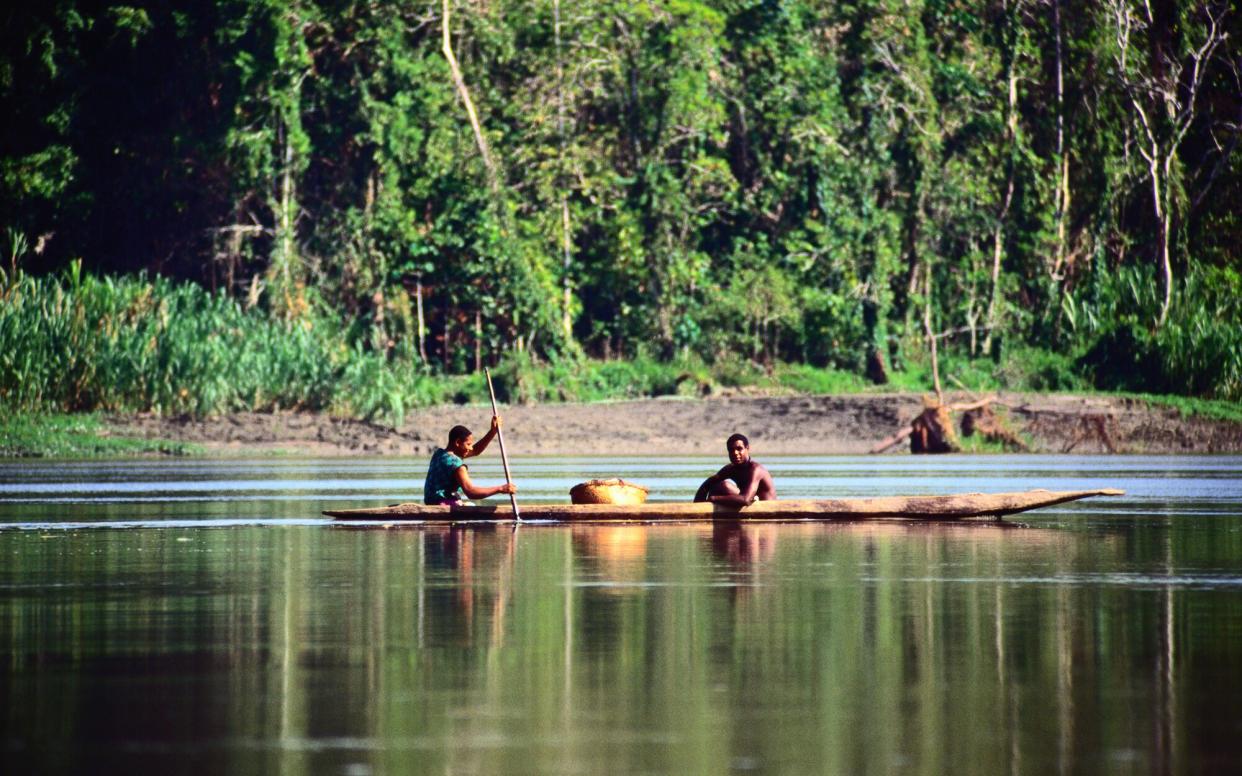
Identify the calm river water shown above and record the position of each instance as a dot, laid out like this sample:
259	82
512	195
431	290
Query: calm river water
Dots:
201	617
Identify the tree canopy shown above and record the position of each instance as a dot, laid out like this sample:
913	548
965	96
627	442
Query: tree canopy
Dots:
792	180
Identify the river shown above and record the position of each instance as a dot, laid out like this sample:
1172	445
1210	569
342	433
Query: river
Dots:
200	616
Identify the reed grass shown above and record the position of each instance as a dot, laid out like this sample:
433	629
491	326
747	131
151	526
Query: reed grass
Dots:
75	343
80	343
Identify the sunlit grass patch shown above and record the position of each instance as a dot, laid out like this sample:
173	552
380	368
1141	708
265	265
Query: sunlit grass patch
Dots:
1190	407
55	435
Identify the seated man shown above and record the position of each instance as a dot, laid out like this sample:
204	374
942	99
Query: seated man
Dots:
739	483
448	481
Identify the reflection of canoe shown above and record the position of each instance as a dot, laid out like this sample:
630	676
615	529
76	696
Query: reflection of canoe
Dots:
953	507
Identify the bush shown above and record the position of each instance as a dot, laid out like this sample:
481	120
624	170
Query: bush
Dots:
80	343
808	379
135	343
1196	352
1035	369
519	379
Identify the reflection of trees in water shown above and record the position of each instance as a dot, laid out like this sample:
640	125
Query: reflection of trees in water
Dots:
783	643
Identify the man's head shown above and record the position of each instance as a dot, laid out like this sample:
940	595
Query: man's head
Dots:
460	440
738	447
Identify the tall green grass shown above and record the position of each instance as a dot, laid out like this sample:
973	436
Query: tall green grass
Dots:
79	343
1197	351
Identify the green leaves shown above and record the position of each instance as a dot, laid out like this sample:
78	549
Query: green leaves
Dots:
658	161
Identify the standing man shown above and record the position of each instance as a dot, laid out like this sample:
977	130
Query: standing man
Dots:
739	483
448	480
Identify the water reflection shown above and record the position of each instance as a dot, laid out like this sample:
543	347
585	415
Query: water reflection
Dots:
1092	641
743	545
783	646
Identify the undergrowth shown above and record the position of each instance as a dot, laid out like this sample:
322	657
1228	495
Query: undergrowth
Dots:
76	343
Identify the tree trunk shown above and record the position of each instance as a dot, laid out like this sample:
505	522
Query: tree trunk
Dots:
1162	227
877	373
931	336
1165	89
566	242
280	273
478	341
1011	132
493	179
1166	227
286	215
567	322
932	431
972	323
1062	195
422	336
998	251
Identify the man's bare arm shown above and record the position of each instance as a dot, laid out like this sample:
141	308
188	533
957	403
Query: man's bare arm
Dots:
746	497
479	491
482	444
709	483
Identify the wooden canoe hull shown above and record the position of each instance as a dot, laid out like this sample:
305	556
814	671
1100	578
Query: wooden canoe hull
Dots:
950	507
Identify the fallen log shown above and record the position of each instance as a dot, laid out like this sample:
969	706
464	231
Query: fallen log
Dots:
891	441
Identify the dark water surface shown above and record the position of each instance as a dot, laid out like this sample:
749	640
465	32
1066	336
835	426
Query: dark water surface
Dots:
200	617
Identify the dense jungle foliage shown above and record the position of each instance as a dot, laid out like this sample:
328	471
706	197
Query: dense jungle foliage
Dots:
337	203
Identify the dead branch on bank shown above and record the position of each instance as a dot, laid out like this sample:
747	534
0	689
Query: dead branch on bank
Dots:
992	427
932	430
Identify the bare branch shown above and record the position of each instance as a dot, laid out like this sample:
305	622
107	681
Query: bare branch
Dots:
1212	40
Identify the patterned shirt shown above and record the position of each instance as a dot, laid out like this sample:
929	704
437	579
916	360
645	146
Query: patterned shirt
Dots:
441	484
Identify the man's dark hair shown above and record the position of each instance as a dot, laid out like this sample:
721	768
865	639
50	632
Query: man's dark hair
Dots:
729	442
457	433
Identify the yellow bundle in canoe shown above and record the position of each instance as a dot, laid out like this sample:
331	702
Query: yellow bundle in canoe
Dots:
610	491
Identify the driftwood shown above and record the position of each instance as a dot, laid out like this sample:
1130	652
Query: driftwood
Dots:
931	431
459	80
984	421
892	441
949	507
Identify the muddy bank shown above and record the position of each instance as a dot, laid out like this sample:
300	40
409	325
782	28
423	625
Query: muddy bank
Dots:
775	425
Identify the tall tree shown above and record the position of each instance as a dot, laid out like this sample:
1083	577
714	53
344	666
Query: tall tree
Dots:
1162	54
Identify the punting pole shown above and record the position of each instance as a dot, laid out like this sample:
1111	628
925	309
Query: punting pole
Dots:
500	437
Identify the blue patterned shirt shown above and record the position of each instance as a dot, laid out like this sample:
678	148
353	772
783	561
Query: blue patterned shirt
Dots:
441	484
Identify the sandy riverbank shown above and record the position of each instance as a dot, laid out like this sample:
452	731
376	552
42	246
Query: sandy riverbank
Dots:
775	425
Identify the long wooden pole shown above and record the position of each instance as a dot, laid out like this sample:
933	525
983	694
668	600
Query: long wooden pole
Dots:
500	437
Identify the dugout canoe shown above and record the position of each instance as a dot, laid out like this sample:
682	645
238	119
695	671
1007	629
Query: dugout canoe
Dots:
957	506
